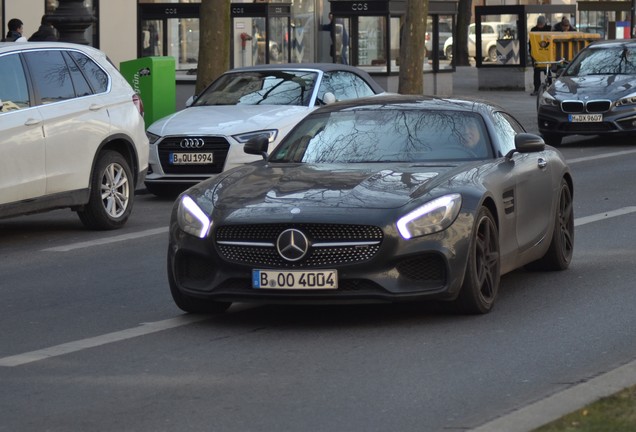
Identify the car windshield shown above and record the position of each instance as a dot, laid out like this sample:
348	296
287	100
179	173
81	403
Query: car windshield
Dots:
603	61
380	134
267	87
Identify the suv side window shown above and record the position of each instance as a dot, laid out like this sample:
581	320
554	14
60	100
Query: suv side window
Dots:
79	82
349	85
14	93
93	73
50	76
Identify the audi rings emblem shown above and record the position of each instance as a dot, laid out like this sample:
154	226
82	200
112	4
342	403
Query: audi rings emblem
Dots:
190	143
292	245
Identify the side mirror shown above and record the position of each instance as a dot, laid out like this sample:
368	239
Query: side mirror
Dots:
257	146
529	143
191	100
329	98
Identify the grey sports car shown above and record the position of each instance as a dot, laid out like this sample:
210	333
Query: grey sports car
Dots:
377	200
594	95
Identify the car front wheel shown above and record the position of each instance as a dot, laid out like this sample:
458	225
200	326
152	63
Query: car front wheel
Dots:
111	193
482	277
552	139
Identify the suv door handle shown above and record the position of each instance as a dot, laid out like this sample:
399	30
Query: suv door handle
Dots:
32	121
95	107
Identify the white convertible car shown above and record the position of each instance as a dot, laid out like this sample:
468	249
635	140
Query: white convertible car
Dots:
207	137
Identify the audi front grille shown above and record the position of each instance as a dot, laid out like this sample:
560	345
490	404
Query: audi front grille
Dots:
217	145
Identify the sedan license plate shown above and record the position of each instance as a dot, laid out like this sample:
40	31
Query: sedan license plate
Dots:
585	118
191	158
295	279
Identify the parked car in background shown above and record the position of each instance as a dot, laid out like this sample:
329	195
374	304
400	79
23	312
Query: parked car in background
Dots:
594	95
207	137
72	134
445	32
491	31
382	199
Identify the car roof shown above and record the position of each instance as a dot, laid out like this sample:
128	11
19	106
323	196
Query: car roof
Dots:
323	67
22	46
415	101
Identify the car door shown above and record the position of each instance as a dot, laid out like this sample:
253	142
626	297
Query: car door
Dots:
22	166
75	120
529	192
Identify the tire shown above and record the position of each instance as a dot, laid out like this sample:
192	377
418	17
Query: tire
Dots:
449	52
492	54
193	304
559	254
481	280
552	139
112	193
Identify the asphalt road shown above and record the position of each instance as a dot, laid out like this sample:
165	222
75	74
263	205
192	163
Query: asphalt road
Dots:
90	338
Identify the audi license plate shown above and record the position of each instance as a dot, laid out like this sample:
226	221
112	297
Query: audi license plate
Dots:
295	279
191	158
585	118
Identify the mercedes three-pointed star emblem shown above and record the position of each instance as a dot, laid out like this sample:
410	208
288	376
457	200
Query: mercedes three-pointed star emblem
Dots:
292	244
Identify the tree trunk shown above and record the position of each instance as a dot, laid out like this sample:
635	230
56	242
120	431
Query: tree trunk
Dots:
214	43
464	14
412	36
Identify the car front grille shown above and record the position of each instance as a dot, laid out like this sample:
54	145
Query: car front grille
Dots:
217	145
593	106
254	245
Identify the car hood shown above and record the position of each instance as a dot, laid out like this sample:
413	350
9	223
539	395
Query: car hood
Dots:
228	119
273	188
593	87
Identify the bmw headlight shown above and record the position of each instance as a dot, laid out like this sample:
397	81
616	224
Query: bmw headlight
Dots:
270	134
547	99
192	219
432	217
627	100
152	138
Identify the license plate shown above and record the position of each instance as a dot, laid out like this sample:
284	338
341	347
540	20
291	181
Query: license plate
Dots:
585	118
295	279
191	158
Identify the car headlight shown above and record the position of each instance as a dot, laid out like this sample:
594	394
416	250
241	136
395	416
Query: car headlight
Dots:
270	133
627	100
547	99
432	217
192	220
152	138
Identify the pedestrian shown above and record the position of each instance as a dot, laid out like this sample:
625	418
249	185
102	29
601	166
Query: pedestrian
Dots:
46	32
15	31
340	45
541	26
564	25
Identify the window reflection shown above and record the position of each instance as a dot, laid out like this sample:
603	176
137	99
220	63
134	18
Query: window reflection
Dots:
386	135
14	94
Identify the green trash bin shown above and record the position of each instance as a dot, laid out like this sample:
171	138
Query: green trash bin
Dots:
154	79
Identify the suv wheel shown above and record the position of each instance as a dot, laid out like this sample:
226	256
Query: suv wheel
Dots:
111	193
492	53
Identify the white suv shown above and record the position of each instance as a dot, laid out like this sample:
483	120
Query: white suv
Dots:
491	31
72	134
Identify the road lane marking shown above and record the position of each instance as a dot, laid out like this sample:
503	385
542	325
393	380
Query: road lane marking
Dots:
79	345
599	156
605	215
108	240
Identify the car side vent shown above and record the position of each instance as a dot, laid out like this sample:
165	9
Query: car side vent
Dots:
508	198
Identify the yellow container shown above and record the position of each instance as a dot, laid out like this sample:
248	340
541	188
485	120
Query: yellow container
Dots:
554	46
